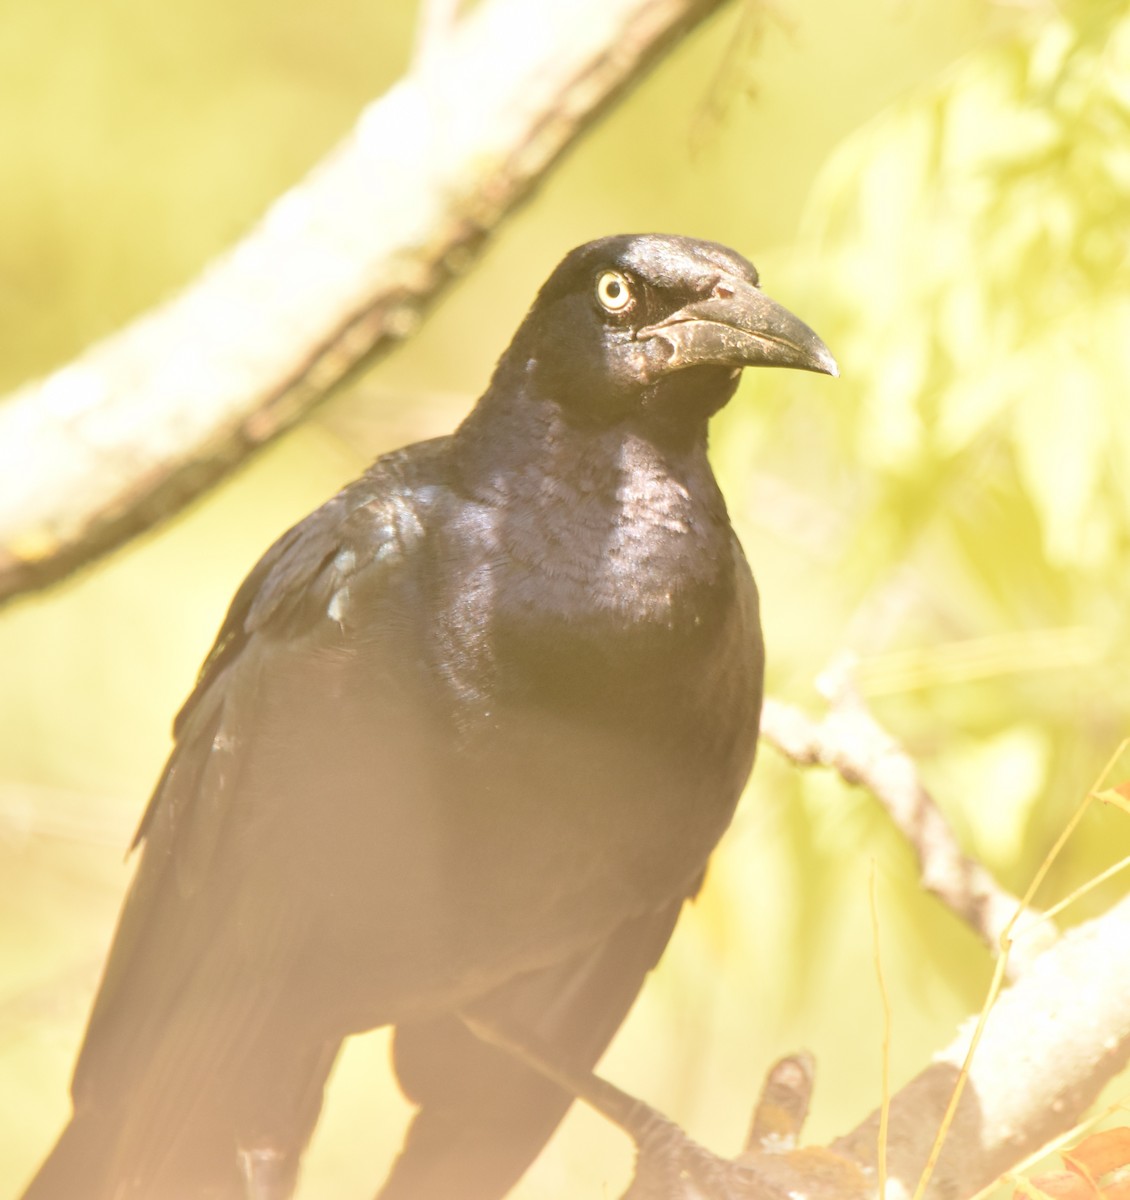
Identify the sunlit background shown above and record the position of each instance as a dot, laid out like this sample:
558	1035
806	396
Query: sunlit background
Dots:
941	190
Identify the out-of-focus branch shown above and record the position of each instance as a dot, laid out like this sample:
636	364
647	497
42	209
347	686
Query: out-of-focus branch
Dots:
1052	1042
850	741
340	267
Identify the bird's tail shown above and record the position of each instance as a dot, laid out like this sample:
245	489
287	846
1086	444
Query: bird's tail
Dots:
87	1163
76	1165
249	1122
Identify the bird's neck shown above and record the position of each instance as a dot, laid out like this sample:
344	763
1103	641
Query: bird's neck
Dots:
613	518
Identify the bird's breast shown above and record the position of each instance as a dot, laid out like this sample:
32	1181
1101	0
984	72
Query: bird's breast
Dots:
583	605
591	674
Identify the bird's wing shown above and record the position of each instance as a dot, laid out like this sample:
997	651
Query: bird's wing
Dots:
217	920
293	580
483	1116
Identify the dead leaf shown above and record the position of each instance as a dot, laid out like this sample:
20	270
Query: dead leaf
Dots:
1119	796
1100	1153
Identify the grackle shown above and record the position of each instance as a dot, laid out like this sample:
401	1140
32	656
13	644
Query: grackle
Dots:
462	747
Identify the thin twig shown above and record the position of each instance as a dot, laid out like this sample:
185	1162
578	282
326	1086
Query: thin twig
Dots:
1048	1047
885	1100
1006	940
850	741
1051	1043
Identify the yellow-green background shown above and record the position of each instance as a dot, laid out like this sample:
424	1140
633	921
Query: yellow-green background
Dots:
941	189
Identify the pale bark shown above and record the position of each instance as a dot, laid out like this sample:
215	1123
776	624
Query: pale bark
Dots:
340	268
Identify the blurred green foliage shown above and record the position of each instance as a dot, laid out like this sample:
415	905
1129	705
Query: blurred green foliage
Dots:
974	245
943	191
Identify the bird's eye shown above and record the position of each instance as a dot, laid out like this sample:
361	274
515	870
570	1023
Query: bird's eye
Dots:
613	291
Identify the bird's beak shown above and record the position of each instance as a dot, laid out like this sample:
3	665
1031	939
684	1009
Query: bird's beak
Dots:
738	326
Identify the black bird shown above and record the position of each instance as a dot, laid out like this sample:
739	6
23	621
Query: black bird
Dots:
462	747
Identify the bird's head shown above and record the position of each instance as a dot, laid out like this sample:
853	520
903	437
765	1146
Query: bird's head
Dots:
657	325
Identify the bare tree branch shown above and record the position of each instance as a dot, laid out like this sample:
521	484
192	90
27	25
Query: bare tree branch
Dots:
850	741
1052	1042
339	268
435	22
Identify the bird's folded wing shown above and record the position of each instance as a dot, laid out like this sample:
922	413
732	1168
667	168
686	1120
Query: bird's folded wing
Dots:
216	917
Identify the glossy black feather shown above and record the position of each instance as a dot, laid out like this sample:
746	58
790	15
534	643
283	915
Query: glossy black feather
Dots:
465	740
